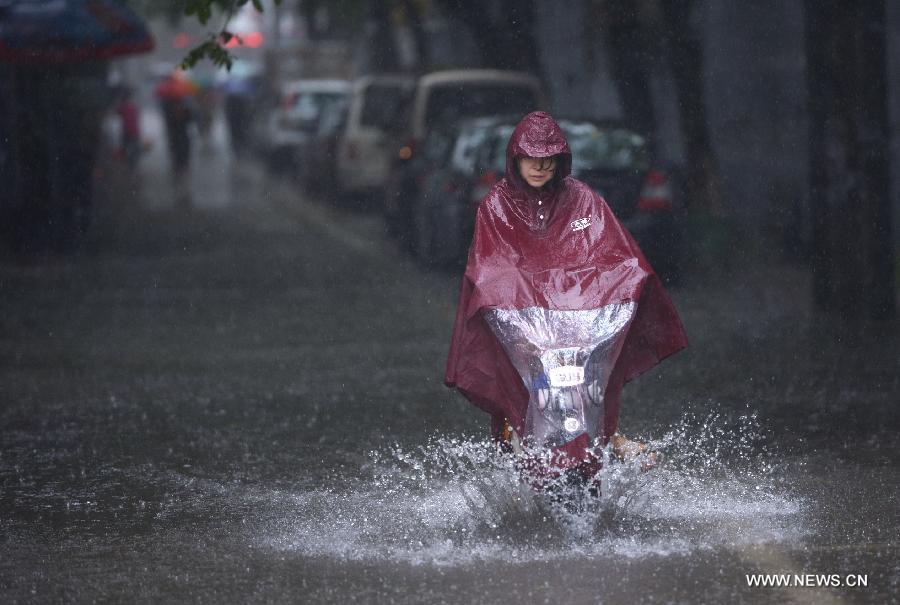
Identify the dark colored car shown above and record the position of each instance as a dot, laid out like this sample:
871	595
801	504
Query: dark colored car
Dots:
610	158
442	100
616	163
442	211
407	183
296	120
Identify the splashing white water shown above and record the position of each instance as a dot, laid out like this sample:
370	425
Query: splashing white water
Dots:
456	502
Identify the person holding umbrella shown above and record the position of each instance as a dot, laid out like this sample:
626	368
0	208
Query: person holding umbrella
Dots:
57	55
176	96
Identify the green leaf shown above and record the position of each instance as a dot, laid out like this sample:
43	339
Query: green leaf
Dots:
209	49
202	9
214	49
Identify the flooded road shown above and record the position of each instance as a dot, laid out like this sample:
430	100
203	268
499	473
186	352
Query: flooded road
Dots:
242	402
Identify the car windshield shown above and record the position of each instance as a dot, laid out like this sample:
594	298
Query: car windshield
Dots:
465	150
332	118
500	137
437	146
450	103
593	147
611	148
384	107
308	106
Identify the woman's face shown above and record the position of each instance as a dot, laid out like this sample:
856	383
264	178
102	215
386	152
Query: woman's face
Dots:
537	171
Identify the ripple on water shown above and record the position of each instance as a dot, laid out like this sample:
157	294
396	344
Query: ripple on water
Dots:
456	502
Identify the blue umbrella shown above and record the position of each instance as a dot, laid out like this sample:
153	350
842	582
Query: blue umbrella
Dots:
69	31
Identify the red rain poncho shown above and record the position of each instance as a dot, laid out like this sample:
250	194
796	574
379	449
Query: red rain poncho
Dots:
551	252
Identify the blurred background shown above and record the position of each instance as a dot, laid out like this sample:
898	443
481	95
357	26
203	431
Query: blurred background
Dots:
769	122
226	295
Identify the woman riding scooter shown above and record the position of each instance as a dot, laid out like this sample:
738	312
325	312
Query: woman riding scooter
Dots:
558	310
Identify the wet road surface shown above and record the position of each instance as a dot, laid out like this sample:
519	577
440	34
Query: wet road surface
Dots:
242	402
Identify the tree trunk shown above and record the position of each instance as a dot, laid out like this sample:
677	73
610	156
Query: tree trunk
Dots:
384	53
853	264
520	42
632	60
474	15
686	54
423	52
507	42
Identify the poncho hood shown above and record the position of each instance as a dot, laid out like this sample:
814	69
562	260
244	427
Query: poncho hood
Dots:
537	135
560	250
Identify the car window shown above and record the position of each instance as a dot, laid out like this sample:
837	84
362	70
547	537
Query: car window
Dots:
437	146
497	160
483	153
384	107
450	103
593	148
307	107
332	118
597	148
465	150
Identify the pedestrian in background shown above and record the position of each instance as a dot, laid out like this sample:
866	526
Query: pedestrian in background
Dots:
176	96
130	119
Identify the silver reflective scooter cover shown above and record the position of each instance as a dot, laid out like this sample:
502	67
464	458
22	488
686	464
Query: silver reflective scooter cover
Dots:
565	359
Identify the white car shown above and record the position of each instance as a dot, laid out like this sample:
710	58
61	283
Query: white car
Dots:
378	113
442	99
301	104
450	96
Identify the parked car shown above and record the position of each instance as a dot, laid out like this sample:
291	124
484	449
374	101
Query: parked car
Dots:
378	107
295	120
442	99
434	152
316	157
443	211
641	192
612	159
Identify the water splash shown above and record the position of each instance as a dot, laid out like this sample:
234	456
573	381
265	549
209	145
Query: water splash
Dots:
457	501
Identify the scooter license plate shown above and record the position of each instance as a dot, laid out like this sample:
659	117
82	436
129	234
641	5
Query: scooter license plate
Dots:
566	376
